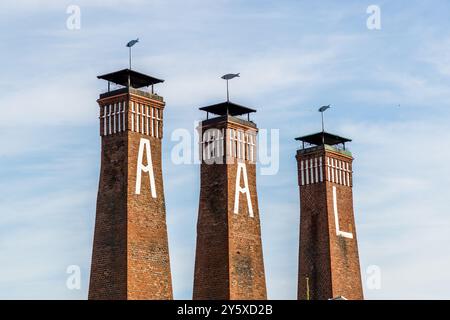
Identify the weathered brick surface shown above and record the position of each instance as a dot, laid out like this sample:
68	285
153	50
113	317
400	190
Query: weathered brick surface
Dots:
211	277
246	266
130	258
314	261
109	256
331	262
229	259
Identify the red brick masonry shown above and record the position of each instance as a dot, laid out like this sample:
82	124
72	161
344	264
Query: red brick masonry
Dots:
229	258
329	261
130	258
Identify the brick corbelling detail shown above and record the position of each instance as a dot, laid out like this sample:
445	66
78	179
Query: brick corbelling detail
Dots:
229	148
116	112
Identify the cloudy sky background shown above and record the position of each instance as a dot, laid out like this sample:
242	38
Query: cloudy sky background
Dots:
389	89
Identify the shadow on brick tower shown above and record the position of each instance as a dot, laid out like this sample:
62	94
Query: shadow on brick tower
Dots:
130	258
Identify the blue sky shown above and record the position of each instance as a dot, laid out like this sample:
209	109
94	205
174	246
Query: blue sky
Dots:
389	90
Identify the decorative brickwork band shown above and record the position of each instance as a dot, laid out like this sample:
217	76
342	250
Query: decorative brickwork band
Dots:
239	144
146	120
336	171
242	145
113	118
143	118
213	145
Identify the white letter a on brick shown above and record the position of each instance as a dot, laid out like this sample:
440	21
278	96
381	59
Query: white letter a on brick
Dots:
144	144
242	169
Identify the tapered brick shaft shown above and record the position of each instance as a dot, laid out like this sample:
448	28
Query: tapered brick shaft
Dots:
328	259
229	258
130	258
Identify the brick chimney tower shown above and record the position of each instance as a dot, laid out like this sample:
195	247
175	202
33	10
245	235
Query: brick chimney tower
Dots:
130	258
328	260
229	258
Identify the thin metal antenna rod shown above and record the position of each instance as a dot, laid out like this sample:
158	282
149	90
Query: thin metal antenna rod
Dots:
130	58
323	129
228	77
322	110
129	45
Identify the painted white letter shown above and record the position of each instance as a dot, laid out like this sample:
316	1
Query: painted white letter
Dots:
145	143
336	218
241	168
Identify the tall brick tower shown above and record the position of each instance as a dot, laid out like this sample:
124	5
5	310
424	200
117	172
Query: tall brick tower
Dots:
130	258
229	258
328	260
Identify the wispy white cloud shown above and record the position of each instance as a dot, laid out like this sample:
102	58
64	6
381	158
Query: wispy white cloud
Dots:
400	192
67	100
46	224
436	54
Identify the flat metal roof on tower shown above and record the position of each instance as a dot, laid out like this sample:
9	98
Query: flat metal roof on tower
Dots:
137	79
320	138
227	108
